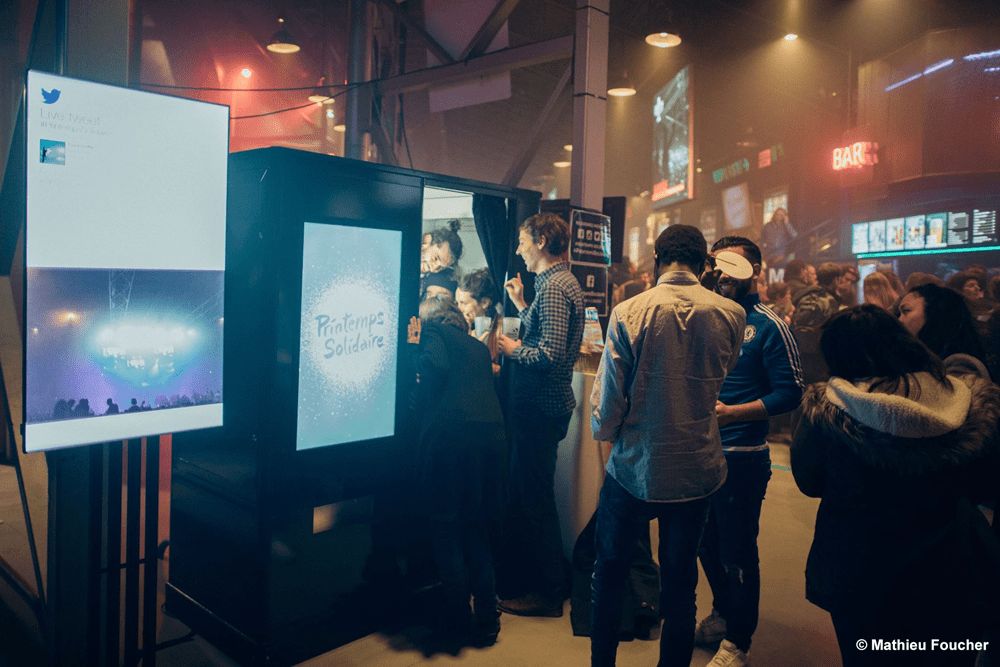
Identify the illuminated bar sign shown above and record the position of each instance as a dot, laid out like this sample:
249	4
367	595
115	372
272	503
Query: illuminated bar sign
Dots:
731	171
855	156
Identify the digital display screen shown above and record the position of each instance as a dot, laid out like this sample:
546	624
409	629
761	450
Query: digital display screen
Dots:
958	229
349	334
736	206
125	255
915	233
895	234
673	142
876	236
984	226
859	238
937	230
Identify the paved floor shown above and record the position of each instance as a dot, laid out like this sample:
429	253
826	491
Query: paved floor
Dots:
792	632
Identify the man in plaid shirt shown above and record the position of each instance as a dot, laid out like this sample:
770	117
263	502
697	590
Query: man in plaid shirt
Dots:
543	401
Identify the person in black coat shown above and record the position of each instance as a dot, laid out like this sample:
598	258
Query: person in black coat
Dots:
898	552
460	461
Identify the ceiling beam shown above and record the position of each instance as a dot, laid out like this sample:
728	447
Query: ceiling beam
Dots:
435	47
503	60
552	109
477	45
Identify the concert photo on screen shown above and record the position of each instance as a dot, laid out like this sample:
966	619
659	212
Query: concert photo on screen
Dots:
106	343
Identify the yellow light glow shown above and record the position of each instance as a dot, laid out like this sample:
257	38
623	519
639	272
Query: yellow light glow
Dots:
790	36
340	128
621	92
663	40
281	47
568	147
562	164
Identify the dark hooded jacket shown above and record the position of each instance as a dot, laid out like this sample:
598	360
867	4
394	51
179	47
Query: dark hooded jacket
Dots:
814	305
894	528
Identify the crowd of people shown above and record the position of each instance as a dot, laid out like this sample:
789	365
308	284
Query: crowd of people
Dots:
895	428
73	409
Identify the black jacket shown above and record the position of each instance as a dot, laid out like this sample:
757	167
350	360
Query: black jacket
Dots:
461	458
893	527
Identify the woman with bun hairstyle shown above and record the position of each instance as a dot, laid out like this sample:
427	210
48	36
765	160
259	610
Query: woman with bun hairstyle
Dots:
898	552
439	261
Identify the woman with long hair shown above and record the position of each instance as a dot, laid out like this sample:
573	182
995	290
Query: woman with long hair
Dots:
878	291
898	552
941	319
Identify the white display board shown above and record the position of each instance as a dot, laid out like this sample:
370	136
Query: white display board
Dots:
125	255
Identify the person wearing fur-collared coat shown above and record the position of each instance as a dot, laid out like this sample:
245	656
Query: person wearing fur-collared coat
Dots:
899	554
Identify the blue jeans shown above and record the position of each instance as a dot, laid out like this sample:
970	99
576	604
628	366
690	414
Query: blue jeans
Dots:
621	518
729	548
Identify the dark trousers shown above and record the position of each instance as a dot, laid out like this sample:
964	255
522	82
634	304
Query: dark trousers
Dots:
729	547
532	517
620	519
465	565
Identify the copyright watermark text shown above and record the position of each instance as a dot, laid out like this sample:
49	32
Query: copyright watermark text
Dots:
911	645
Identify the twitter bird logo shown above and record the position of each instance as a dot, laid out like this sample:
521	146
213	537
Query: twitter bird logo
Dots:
50	96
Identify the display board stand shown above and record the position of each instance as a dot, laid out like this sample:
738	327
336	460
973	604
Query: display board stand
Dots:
140	583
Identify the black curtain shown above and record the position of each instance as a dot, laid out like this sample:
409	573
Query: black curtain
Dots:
493	224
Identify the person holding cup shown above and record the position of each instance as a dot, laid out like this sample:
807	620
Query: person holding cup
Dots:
477	298
543	360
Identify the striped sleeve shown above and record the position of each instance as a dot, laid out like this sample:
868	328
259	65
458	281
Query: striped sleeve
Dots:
782	364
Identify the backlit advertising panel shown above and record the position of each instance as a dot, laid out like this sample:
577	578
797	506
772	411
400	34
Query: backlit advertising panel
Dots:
673	142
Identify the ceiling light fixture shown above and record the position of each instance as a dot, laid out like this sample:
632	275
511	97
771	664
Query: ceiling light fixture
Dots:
561	164
282	41
622	87
321	95
663	40
791	36
340	128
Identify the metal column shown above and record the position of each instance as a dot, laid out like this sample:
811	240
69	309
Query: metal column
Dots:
590	86
358	105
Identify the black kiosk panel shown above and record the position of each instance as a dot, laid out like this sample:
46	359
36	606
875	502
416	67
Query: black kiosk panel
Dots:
271	515
246	564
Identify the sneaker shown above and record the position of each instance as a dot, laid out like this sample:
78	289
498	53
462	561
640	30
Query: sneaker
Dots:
711	630
532	605
729	656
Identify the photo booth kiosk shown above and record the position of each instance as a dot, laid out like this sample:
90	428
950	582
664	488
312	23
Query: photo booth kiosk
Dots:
272	514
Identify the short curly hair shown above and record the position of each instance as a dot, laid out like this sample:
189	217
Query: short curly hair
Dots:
553	228
684	244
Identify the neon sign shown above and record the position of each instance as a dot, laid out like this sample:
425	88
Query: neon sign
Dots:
731	171
855	156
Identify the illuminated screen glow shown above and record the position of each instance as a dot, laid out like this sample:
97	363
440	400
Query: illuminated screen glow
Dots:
349	335
125	256
736	207
926	234
673	146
